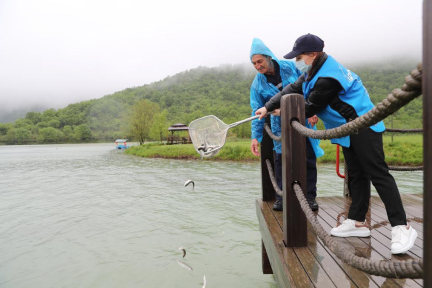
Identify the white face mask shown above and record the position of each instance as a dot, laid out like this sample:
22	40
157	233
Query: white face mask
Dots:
301	65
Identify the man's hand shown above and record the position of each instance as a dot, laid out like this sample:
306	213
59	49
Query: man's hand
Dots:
313	120
262	112
254	147
275	112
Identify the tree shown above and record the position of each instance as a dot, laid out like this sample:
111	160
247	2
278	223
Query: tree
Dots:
160	125
23	123
141	119
48	115
68	133
54	123
48	134
22	135
3	129
35	117
82	132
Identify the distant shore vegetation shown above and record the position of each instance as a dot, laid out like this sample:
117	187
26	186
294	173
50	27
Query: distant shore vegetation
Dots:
402	150
144	113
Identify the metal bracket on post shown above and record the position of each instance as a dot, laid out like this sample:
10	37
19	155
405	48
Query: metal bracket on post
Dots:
293	170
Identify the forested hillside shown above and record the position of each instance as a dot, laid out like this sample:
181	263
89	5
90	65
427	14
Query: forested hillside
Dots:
221	91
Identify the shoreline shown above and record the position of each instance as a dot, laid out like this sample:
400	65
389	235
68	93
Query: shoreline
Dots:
406	151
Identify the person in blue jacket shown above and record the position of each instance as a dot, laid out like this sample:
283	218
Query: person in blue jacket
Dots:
337	96
273	75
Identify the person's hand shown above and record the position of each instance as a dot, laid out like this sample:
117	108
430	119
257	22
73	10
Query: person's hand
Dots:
254	147
275	112
262	112
313	120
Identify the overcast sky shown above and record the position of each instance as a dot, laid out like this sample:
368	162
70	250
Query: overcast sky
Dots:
65	51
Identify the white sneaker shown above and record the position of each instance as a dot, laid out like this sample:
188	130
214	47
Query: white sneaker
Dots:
402	239
348	228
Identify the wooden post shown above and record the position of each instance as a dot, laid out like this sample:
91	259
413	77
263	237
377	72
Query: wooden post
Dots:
427	141
268	192
293	170
266	266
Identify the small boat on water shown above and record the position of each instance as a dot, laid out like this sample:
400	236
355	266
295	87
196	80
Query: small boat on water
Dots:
121	144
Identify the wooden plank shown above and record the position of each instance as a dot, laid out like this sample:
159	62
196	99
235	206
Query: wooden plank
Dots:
427	139
381	251
287	269
380	211
369	251
413	217
313	268
278	216
418	195
327	217
341	274
385	250
381	229
358	277
294	170
266	266
415	198
379	222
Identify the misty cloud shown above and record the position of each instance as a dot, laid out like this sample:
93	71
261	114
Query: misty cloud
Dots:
58	52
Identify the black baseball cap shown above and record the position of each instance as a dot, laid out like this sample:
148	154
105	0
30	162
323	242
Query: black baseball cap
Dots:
306	43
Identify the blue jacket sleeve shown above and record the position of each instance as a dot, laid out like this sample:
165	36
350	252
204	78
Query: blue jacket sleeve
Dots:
257	125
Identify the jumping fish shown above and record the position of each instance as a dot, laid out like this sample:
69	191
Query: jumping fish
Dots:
205	282
184	265
188	182
184	251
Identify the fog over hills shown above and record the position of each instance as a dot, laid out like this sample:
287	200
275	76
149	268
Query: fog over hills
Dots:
53	53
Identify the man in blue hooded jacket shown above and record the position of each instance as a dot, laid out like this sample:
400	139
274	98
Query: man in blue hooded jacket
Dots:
273	76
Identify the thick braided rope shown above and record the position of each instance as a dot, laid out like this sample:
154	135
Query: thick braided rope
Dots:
273	180
401	168
404	130
394	269
270	133
393	102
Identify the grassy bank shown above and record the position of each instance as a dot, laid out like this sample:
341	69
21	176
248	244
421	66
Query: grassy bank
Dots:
404	150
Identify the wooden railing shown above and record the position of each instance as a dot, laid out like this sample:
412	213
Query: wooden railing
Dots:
294	158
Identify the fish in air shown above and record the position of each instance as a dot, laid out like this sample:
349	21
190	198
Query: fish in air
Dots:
184	251
189	182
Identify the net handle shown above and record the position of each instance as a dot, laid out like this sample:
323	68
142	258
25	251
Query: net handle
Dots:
243	121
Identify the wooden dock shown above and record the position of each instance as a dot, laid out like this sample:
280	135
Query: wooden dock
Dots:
290	247
316	266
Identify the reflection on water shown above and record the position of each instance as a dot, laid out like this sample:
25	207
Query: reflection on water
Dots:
88	215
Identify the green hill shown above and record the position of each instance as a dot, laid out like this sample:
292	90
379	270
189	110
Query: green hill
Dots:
222	91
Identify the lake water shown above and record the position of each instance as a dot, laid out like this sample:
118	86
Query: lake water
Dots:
88	215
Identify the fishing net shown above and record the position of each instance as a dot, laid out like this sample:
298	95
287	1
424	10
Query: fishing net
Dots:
208	135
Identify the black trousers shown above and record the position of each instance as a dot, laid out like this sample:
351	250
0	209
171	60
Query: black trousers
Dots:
311	171
366	162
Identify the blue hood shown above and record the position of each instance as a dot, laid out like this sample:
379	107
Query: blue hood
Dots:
258	47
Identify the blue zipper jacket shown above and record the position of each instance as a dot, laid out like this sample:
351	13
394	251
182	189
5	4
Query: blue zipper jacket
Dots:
261	92
353	93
